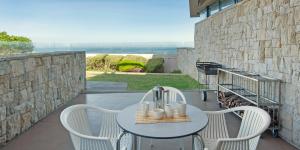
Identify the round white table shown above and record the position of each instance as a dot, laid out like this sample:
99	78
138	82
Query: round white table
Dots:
126	121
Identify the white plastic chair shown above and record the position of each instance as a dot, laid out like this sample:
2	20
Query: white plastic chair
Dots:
173	98
173	94
215	136
77	120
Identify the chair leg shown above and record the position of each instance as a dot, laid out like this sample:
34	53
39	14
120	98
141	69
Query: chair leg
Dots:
181	145
151	144
139	143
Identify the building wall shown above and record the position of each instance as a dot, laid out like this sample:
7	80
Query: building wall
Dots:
34	85
260	36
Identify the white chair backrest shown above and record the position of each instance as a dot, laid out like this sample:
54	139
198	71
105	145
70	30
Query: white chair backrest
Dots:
173	95
75	120
254	122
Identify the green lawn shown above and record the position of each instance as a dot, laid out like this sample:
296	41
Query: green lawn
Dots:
148	81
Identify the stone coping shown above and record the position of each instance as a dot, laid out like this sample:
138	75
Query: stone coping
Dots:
185	48
30	55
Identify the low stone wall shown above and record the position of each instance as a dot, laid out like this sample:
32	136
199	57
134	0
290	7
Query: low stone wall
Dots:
34	85
261	36
186	61
170	63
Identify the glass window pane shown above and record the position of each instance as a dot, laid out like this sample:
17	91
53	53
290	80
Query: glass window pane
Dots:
226	3
203	14
214	8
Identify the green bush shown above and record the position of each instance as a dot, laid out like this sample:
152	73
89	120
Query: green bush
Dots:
155	65
11	38
95	62
176	71
113	61
135	58
130	66
129	63
10	44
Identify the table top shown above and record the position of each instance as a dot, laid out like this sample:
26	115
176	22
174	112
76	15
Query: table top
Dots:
126	120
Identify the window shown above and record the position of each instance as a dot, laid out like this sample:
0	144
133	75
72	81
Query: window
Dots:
226	3
203	14
214	8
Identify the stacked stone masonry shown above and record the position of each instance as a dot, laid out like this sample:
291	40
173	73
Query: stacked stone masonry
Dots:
34	85
260	36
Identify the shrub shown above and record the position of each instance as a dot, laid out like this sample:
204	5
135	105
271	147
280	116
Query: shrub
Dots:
113	61
130	66
155	65
10	44
135	58
176	71
129	63
95	62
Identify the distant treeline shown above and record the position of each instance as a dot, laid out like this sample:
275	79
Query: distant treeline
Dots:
10	44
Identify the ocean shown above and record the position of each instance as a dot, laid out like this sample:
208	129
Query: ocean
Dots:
111	50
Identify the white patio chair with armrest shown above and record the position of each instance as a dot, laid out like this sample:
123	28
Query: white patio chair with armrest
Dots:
173	98
76	121
215	136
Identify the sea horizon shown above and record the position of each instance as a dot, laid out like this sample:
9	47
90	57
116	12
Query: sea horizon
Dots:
114	48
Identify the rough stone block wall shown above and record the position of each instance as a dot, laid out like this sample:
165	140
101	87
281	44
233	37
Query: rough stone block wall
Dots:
261	36
34	85
170	63
186	61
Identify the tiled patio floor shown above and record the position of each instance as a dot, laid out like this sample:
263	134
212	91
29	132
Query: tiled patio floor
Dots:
48	134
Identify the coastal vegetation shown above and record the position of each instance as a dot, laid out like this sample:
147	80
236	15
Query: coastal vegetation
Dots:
130	66
10	44
128	63
155	65
148	81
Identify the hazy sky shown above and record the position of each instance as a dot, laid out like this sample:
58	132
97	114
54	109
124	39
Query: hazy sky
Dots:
92	21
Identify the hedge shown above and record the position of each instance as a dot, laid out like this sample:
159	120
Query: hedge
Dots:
95	62
135	58
129	63
113	61
130	66
155	65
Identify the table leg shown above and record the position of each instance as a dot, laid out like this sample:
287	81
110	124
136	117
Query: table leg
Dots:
134	142
193	142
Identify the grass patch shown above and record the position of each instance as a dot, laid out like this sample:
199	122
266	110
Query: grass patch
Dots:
148	81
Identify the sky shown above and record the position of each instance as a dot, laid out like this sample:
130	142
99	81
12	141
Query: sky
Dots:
98	21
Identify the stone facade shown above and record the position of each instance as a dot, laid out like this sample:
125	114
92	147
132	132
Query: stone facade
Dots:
261	36
34	85
170	62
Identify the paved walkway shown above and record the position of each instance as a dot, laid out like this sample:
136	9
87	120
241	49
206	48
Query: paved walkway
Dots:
48	134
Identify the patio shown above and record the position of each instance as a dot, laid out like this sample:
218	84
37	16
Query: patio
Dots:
48	134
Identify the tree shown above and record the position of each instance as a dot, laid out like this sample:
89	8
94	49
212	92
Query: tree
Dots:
10	44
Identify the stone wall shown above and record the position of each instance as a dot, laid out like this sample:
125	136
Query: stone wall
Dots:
170	63
34	85
186	61
260	36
